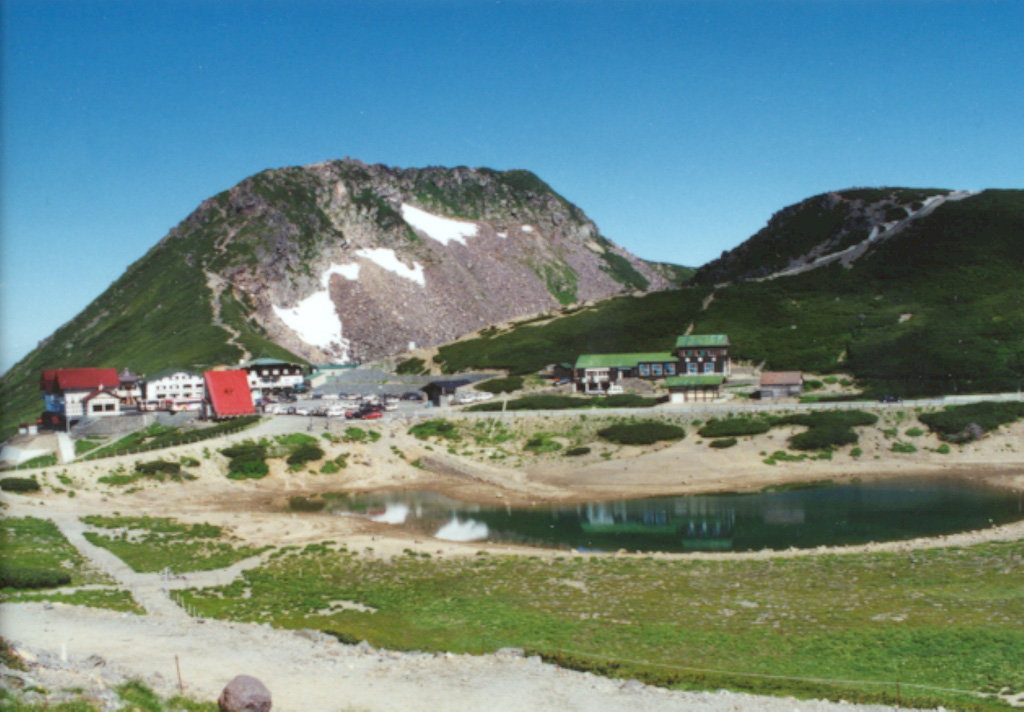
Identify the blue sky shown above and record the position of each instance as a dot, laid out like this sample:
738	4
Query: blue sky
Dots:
679	127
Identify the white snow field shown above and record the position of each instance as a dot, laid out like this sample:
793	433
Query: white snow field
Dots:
314	318
387	259
436	227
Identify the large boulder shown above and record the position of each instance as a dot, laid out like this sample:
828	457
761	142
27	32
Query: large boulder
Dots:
244	694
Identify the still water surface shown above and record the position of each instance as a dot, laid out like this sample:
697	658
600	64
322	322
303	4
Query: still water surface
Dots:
882	510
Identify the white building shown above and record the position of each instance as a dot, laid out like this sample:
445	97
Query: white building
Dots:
173	389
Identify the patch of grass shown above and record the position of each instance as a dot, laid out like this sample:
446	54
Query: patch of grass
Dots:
150	544
109	599
436	428
41	461
723	443
905	448
734	427
541	443
156	437
577	451
948	618
37	545
641	433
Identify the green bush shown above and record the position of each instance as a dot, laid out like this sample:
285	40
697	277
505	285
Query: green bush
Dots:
19	484
158	467
305	453
249	470
436	428
951	423
542	443
644	432
625	400
330	468
904	448
733	427
32	577
811	384
943	449
914	432
411	367
826	429
187	461
577	451
501	385
723	443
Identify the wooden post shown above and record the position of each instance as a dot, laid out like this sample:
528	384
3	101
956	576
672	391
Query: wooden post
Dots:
181	688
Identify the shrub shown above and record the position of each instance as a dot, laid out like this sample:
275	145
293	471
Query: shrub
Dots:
952	424
914	432
542	443
305	453
19	484
904	447
826	429
723	443
625	400
330	468
577	451
501	385
856	452
811	384
187	461
943	449
158	467
439	428
411	367
32	577
248	470
644	432
732	427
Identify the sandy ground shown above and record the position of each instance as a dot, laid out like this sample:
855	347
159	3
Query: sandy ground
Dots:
306	671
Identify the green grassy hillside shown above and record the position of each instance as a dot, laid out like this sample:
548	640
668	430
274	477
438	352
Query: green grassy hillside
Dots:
938	309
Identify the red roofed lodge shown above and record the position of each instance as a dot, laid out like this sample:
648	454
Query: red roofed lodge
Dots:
228	394
67	393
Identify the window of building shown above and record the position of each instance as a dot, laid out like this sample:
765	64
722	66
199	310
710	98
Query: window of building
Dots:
109	407
670	369
656	369
709	368
97	408
691	368
645	370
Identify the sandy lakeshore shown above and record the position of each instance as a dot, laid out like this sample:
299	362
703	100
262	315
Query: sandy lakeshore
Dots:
92	649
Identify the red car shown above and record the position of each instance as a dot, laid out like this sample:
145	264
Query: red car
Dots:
371	415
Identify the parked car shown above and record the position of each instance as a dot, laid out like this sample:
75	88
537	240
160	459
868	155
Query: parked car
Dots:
371	415
890	399
412	396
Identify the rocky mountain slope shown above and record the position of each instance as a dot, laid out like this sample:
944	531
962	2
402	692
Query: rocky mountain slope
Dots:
833	227
912	292
340	261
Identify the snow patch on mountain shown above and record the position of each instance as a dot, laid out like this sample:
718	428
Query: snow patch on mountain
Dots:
387	259
315	317
437	227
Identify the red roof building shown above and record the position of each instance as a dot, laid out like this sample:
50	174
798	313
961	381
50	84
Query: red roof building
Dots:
228	393
57	380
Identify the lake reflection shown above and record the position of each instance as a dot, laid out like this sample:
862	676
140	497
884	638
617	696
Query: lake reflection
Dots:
824	516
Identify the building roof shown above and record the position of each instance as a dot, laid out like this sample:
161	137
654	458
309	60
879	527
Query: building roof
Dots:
782	378
700	341
449	386
127	376
164	373
623	360
691	381
229	393
267	362
100	392
62	379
